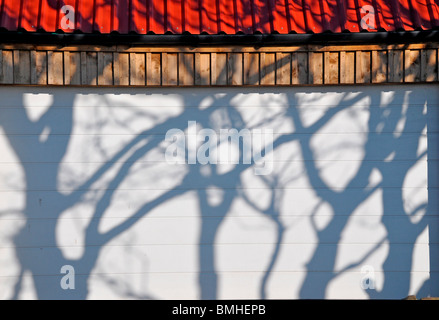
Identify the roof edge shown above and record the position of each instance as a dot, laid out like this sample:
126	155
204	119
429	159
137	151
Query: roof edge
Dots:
254	40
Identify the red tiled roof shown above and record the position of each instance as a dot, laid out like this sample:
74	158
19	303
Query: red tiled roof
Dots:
218	16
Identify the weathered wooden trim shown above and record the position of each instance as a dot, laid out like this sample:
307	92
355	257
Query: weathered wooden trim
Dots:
225	49
218	66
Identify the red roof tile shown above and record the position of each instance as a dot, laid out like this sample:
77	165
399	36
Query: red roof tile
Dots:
218	16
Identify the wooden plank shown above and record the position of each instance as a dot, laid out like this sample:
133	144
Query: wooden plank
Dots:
22	74
331	67
283	68
213	68
396	66
219	68
315	68
363	67
379	66
55	69
154	69
121	69
303	67
222	48
133	69
75	68
67	70
170	69
15	65
105	68
251	69
295	69
137	69
202	69
38	67
141	68
92	68
429	65
186	65
83	68
214	48
7	61
347	67
234	69
268	68
412	65
8	66
116	67
164	68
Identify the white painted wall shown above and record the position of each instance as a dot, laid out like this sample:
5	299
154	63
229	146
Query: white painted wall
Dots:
84	182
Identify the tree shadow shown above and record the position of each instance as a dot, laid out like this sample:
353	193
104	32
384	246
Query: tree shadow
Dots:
386	145
390	145
391	148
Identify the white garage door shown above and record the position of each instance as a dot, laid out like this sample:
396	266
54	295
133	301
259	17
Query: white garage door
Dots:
218	193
